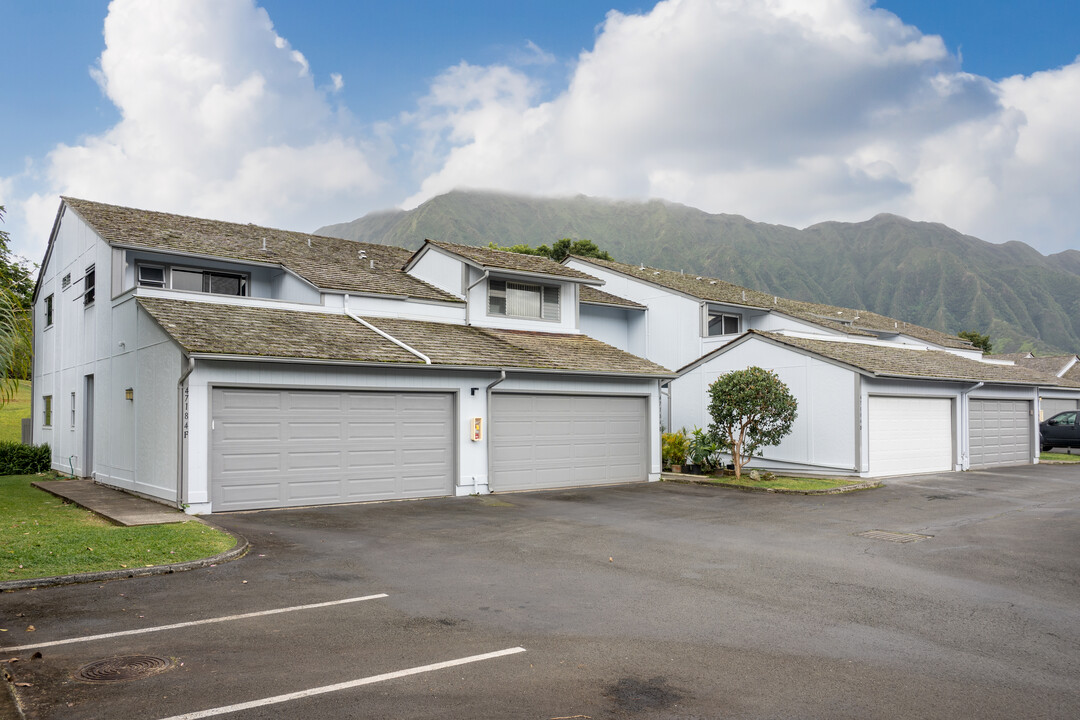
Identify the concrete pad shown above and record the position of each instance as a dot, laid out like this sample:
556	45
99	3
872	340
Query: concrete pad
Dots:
115	505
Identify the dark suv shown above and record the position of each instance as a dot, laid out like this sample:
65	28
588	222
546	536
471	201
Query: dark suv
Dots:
1061	430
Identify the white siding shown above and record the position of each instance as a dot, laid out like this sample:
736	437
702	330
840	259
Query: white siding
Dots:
439	269
471	474
620	327
824	434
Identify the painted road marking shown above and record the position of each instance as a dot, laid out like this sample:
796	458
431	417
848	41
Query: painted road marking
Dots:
192	623
343	686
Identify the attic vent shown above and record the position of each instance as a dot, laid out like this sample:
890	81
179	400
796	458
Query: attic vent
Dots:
712	282
744	296
309	242
774	300
656	272
698	277
66	281
362	255
372	264
264	243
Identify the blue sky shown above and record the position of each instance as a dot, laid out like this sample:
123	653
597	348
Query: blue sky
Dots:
782	110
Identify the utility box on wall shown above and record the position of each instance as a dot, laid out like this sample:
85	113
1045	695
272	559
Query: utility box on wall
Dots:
477	428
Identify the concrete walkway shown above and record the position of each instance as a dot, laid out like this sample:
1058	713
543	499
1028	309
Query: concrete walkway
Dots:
115	505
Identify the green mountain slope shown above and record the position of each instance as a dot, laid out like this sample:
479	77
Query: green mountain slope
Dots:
925	273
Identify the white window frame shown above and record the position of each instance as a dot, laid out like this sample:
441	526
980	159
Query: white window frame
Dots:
72	411
549	297
50	311
151	283
46	411
723	316
89	286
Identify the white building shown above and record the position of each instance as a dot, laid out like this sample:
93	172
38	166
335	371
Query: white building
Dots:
877	396
222	366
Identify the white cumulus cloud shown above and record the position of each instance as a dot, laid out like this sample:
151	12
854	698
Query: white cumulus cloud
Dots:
790	111
220	116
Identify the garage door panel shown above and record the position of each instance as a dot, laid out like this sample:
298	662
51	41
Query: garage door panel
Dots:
329	447
250	431
1000	432
544	441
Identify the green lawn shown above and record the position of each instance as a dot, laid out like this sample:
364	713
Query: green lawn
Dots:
12	413
797	484
1060	456
42	536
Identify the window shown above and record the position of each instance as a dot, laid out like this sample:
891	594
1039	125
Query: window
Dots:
47	411
524	300
88	286
152	276
208	281
49	311
724	324
72	411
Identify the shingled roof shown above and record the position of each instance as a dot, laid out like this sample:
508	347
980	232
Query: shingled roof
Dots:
220	329
488	258
838	319
327	263
1052	364
599	297
900	362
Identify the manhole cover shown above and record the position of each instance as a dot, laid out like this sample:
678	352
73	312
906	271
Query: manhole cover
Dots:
119	669
889	536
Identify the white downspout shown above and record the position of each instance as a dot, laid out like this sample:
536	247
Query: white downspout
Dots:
386	335
487	419
482	278
965	425
180	489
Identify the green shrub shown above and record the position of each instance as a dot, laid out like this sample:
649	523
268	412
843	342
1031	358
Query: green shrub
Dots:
674	447
19	459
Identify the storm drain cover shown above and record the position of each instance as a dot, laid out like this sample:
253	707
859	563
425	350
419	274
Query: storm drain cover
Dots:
119	669
896	537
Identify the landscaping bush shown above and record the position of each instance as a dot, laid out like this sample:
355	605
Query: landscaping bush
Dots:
19	459
674	447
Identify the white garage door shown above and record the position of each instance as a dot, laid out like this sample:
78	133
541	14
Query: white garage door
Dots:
282	448
549	441
1000	432
910	435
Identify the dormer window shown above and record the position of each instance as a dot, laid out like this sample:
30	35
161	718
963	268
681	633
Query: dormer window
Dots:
721	323
192	280
509	298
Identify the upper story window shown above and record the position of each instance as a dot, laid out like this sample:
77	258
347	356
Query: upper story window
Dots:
46	411
721	323
89	288
49	311
523	300
193	280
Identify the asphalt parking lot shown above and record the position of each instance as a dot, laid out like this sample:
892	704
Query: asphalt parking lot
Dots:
650	601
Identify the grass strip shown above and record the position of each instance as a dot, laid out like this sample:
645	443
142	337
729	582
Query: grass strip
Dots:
796	484
12	413
43	536
1060	457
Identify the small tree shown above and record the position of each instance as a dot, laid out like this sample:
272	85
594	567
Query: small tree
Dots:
980	341
751	409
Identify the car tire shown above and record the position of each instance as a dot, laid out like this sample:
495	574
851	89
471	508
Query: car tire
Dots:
1046	448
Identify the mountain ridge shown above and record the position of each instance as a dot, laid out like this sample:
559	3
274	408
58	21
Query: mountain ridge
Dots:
921	272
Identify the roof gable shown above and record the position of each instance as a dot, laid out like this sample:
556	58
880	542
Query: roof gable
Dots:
327	263
899	362
489	259
831	317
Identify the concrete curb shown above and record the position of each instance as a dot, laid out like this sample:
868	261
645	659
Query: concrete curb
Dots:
237	551
685	479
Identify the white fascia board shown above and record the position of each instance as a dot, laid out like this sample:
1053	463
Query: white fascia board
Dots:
251	302
501	272
420	364
852	339
49	248
387	296
660	286
601	303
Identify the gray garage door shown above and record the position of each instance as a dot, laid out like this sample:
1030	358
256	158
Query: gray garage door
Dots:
1052	406
282	448
1000	432
549	441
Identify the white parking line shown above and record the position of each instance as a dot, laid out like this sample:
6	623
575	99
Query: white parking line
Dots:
207	621
343	686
